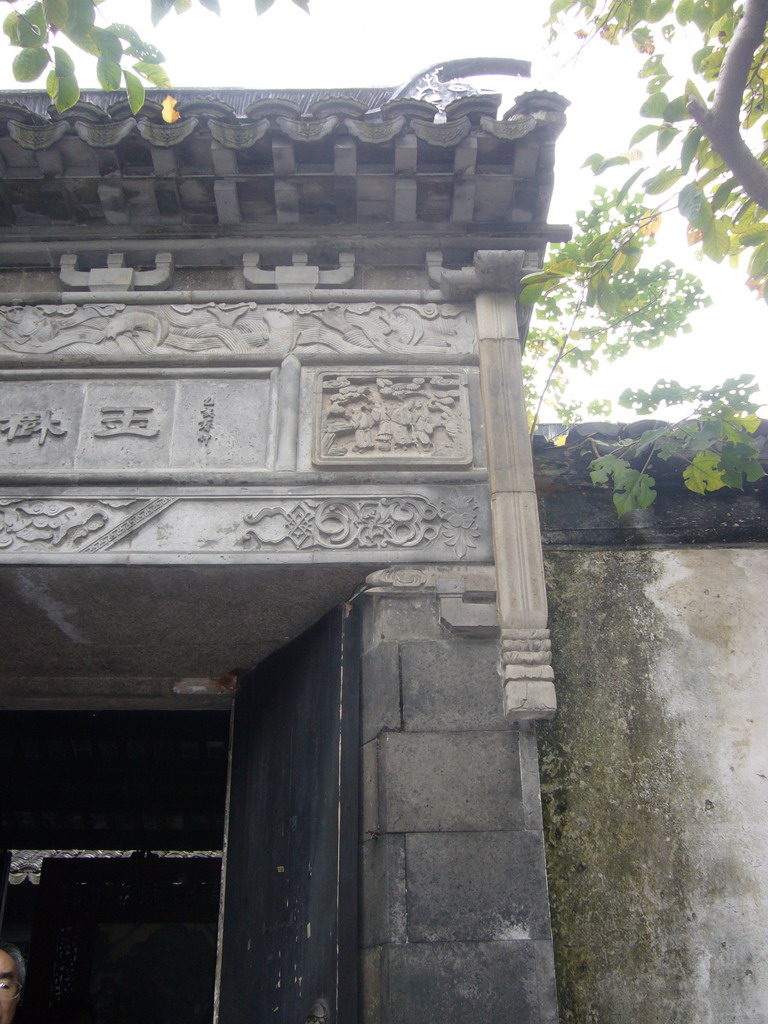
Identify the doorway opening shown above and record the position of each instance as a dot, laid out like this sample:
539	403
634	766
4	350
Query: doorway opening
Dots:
114	823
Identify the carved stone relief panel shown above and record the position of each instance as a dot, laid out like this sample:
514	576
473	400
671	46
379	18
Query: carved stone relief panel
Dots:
388	524
221	332
133	424
392	419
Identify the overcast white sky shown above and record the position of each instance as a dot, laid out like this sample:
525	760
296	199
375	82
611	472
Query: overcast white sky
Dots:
385	42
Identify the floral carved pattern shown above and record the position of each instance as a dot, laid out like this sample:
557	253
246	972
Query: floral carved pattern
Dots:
377	523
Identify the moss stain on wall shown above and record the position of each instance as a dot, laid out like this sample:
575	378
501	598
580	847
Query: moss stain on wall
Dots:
617	863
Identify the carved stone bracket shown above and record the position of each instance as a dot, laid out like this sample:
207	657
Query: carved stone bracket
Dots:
300	274
492	271
116	276
529	689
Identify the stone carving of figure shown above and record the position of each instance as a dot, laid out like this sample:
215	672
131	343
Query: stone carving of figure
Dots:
401	422
423	425
364	420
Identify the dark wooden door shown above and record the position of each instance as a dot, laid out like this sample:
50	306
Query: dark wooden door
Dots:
288	944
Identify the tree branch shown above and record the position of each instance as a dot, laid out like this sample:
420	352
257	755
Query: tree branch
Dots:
721	122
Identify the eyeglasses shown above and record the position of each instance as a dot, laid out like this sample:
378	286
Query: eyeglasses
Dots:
9	989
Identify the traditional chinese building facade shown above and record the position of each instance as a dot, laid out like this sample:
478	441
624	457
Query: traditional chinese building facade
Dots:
258	365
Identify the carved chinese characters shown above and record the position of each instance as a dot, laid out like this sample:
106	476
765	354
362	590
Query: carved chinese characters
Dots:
205	423
119	421
392	419
133	424
28	424
110	332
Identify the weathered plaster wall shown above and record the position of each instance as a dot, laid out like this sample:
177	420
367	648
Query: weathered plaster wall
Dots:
655	785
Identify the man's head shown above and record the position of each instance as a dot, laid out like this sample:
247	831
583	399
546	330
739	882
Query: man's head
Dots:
13	971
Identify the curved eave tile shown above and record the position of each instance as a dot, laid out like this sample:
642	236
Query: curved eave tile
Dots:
105	135
306	130
33	136
374	132
165	135
451	133
239	136
516	128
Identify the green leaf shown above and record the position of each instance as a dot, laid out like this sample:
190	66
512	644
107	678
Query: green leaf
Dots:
758	264
703	15
63	64
606	467
689	202
751	422
704	473
692	91
653	68
126	32
754	235
633	490
621	195
676	110
303	4
643	133
662	181
655	105
51	84
109	74
717	241
159	10
738	461
56	12
108	43
666	137
530	294
28	28
154	73
263	5
689	147
80	18
137	47
211	5
67	92
722	193
11	28
30	63
642	37
135	89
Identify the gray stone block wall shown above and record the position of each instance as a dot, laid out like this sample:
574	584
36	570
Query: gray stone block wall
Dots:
454	908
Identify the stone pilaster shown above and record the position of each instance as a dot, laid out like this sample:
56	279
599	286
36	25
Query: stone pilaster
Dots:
529	691
454	906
